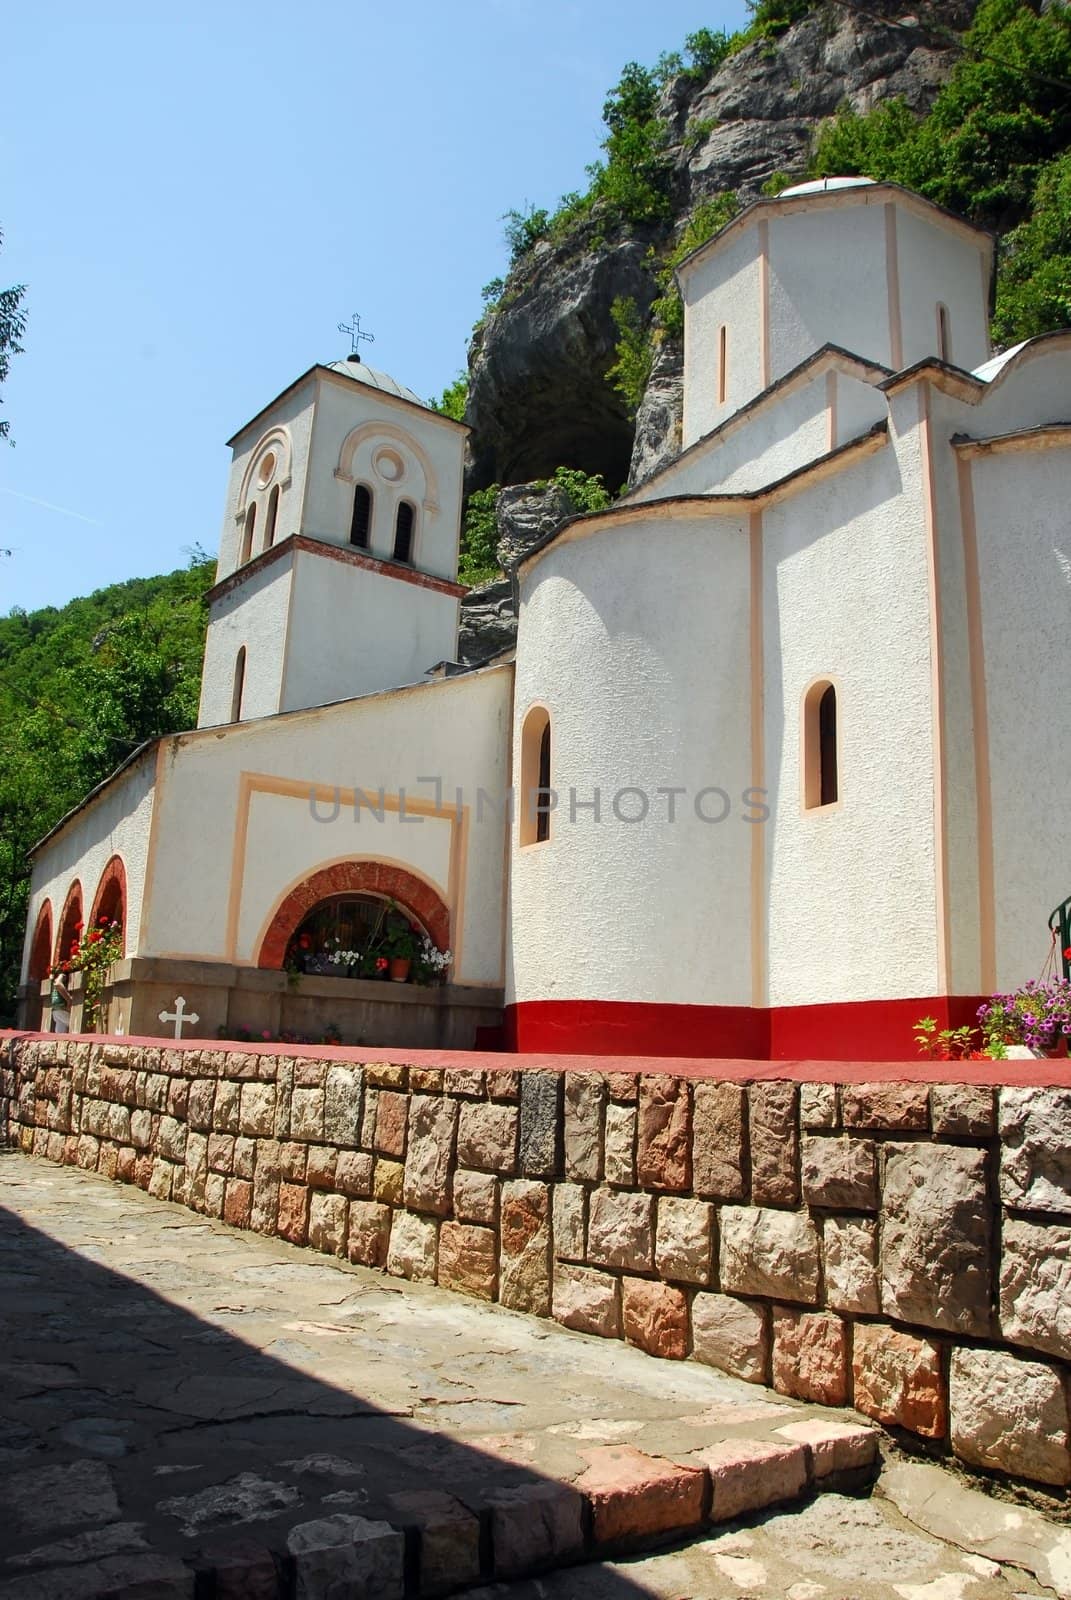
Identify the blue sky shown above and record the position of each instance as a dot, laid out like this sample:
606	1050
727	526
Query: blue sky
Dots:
196	196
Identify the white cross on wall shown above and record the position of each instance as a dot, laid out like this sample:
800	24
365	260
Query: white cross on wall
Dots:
179	1016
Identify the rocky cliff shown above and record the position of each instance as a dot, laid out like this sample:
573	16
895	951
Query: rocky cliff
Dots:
538	392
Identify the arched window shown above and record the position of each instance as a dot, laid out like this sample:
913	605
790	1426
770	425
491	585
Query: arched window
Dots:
247	536
944	333
239	686
352	936
723	350
537	796
821	781
70	923
361	520
41	948
403	532
273	514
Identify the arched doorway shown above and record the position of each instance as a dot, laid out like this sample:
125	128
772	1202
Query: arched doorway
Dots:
70	924
40	965
110	899
345	899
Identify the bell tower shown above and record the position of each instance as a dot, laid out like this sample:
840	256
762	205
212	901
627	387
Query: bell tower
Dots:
337	571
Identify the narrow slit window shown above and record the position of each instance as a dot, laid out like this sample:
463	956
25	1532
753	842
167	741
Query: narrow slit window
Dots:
239	686
247	535
821	778
273	517
361	520
723	343
944	334
403	532
537	795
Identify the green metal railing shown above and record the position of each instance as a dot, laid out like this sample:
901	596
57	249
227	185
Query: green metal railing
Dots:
1060	923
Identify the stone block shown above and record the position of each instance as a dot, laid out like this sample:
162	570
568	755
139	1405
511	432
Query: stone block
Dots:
524	1234
1035	1285
161	1179
392	1114
850	1259
732	1335
307	1114
621	1230
623	1087
293	1212
220	1152
818	1106
226	1110
293	1160
540	1123
432	1126
935	1237
256	1115
369	1110
840	1171
264	1217
718	1151
810	1355
655	1317
215	1186
897	1380
533	1526
570	1207
487	1136
449	1534
468	1259
1010	1415
889	1106
388	1181
634	1497
413	1247
834	1446
503	1084
426	1080
327	1223
584	1104
353	1173
586	1300
171	1139
664	1133
772	1253
369	1233
966	1109
748	1475
238	1203
620	1154
475	1196
345	1555
773	1124
245	1155
465	1082
1035	1149
684	1241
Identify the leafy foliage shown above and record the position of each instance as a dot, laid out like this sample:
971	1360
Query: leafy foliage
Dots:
631	370
1034	287
478	562
451	403
708	218
81	687
524	229
585	489
12	328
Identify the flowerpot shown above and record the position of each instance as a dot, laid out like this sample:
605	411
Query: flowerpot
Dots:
399	969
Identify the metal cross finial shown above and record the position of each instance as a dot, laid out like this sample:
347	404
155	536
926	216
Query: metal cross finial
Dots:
179	1016
356	333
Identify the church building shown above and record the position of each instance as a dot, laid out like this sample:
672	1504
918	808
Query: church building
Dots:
773	771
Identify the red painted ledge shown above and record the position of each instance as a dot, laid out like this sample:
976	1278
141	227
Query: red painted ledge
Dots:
1010	1074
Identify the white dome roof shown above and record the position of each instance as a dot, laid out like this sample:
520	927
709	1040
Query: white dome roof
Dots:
820	185
360	373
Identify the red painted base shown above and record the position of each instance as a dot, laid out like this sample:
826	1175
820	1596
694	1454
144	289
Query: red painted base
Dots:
860	1030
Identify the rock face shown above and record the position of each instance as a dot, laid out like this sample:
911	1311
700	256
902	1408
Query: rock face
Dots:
538	394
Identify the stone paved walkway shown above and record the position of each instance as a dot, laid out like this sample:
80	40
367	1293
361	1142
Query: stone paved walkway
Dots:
185	1407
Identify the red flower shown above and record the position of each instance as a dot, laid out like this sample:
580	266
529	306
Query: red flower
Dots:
105	922
92	938
1067	953
304	942
78	927
382	963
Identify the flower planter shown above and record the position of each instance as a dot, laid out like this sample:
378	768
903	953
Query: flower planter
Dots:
399	969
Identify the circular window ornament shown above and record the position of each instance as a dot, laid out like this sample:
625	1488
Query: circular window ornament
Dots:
266	470
389	465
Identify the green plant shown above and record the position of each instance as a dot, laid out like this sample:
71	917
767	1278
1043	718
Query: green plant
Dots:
777	182
585	489
708	218
945	1044
524	229
706	49
477	561
1034	284
697	131
451	403
631	370
96	949
1037	1014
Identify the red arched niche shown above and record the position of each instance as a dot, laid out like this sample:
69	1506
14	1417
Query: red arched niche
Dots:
41	948
354	877
70	923
110	898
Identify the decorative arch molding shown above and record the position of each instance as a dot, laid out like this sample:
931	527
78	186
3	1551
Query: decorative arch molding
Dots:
389	430
41	945
72	913
278	439
414	894
111	894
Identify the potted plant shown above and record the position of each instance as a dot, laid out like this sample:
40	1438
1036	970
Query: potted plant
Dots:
1035	1017
400	946
430	964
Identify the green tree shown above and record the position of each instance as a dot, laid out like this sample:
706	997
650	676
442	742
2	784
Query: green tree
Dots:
451	403
1034	284
12	328
631	370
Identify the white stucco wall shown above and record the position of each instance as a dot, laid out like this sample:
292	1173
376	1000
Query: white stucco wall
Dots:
721	289
353	632
456	729
293	414
253	614
939	264
827	283
118	822
850	888
636	639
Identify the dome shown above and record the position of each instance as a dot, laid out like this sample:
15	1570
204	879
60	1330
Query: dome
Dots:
821	185
360	373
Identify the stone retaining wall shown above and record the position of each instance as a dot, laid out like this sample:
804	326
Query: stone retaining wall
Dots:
901	1247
